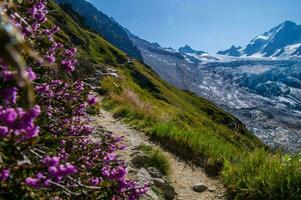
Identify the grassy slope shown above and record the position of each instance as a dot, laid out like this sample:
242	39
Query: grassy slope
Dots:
185	123
181	107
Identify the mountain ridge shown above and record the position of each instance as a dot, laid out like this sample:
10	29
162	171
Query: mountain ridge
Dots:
281	41
187	49
99	22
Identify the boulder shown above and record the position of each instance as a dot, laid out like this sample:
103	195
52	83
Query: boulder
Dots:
150	195
168	190
139	160
143	177
155	173
200	187
160	183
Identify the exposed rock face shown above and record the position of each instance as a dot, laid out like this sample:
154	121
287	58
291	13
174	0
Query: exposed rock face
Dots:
139	160
144	177
283	40
151	176
155	173
169	192
233	51
188	49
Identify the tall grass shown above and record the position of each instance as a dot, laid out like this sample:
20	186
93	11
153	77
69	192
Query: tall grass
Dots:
248	174
254	174
128	106
261	175
156	159
200	142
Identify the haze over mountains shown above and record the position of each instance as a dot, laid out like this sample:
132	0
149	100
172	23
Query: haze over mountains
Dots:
259	83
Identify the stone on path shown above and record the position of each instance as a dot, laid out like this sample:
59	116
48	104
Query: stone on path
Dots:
200	187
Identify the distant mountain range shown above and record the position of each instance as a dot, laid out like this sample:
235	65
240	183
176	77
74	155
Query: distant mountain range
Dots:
281	41
261	89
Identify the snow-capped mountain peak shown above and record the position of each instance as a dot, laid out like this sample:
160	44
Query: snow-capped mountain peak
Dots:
233	51
187	50
281	41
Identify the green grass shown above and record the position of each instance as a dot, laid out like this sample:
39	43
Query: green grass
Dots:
186	124
199	143
156	159
158	192
261	175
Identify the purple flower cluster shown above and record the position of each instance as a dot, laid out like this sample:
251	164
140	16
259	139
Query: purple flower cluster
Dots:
92	100
9	95
60	121
31	74
51	32
69	59
18	123
102	156
68	117
4	174
52	51
38	181
38	14
5	73
59	170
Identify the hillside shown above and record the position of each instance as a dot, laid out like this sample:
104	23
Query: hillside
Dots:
263	93
104	25
148	86
182	122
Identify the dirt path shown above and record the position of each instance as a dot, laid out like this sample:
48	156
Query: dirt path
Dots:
183	177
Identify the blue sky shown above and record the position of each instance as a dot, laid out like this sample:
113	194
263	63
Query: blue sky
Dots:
209	25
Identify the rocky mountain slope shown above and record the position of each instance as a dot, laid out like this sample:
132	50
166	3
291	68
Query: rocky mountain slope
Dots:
233	51
167	63
104	25
281	41
263	93
187	49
